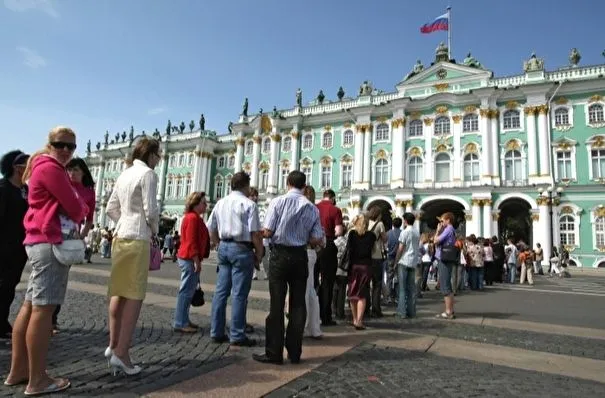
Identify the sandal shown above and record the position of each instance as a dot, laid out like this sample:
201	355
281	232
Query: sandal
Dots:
445	315
54	387
17	383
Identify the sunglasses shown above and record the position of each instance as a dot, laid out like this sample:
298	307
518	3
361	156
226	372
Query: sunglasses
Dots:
63	145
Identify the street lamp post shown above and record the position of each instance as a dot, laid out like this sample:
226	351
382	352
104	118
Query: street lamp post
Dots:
553	197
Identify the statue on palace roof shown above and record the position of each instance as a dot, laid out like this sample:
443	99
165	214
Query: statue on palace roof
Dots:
182	127
106	137
366	88
574	57
117	139
321	97
418	67
533	64
442	53
98	146
340	94
88	144
156	134
131	134
245	107
230	127
169	127
123	136
203	122
472	61
260	111
275	114
299	98
191	126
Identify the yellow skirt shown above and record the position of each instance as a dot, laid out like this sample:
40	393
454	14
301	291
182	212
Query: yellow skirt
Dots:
129	268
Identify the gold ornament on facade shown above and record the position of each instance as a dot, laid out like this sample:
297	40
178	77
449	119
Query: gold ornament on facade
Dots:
441	109
240	141
263	166
326	161
569	248
231	152
468	217
198	153
399	203
415	151
307	162
598	142
493	114
381	154
556	201
456	119
415	115
327	127
285	163
441	87
257	139
530	110
355	204
542	201
408	203
265	124
487	202
247	166
561	101
535	217
476	202
495	216
470	109
347	125
513	145
276	137
295	135
428	121
595	98
542	109
441	148
600	211
563	146
382	119
471	148
566	210
484	112
398	122
512	105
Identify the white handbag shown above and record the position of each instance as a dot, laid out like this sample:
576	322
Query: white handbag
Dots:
71	251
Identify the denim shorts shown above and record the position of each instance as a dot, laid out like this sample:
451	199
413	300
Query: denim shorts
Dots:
48	279
445	277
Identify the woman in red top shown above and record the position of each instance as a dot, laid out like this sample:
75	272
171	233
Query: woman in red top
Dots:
195	246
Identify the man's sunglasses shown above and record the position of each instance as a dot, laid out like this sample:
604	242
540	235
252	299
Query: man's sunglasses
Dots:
63	145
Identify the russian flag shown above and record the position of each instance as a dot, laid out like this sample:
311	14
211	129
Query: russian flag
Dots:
440	23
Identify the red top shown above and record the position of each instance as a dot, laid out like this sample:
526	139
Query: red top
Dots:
195	240
87	194
330	216
50	194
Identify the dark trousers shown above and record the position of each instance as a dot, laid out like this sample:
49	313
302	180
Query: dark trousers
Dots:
56	315
328	262
289	271
340	296
376	288
490	272
10	275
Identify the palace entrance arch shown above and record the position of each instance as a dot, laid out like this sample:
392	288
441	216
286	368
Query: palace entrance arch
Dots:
515	220
386	209
432	209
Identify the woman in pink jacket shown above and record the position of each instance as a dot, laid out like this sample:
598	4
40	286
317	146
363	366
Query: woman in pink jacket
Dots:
53	203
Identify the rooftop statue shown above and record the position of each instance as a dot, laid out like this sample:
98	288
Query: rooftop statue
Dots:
182	127
574	57
365	88
442	53
418	67
98	146
117	139
230	127
168	128
106	137
472	61
275	112
88	150
156	133
191	126
321	97
203	122
533	64
340	94
123	136
299	98
131	134
245	107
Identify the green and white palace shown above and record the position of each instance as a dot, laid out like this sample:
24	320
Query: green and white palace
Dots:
520	156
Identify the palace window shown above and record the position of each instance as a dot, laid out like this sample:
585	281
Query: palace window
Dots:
326	176
264	179
231	162
599	230
442	167
286	144
382	132
347	175
513	166
249	147
181	160
218	189
415	128
415	170
307	143
169	187
471	167
347	138
598	163
266	145
564	165
283	183
179	187
511	120
221	162
172	161
381	172
326	141
188	185
595	113
567	230
442	125
308	172
228	185
190	160
561	117
470	123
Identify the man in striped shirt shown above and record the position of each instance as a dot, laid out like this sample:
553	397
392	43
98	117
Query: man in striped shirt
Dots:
291	222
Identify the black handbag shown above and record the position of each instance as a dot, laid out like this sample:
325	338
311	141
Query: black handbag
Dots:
345	261
198	297
450	254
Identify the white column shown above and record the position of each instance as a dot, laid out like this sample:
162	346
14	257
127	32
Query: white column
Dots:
100	181
409	206
197	164
204	163
457	149
487	219
255	158
428	150
398	127
494	151
358	161
495	217
163	175
399	207
239	153
532	154
486	161
367	153
476	213
295	150
272	183
208	179
545	150
544	222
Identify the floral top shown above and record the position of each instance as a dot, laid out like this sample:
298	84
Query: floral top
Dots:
476	254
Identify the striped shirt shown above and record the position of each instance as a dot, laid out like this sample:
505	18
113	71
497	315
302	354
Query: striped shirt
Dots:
235	217
293	220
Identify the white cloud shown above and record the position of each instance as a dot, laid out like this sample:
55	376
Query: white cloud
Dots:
31	58
156	111
45	6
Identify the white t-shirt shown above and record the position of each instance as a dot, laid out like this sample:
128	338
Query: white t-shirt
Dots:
379	244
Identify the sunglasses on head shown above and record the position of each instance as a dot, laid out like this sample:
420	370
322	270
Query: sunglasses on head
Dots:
63	145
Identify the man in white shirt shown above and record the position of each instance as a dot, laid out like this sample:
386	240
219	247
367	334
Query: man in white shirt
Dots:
407	261
511	260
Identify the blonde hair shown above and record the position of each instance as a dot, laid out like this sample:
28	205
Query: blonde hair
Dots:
424	237
360	224
193	200
52	135
309	193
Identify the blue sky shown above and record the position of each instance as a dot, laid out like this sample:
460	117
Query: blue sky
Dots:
104	65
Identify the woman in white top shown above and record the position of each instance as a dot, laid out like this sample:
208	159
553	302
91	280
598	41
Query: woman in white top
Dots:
312	325
133	206
490	271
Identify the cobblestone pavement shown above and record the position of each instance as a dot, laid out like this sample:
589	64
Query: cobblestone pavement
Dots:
167	357
371	371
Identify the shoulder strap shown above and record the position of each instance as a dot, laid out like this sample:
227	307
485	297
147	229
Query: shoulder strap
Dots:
374	226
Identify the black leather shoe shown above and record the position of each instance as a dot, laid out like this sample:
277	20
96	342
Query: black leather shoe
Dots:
294	361
220	340
244	343
249	329
263	358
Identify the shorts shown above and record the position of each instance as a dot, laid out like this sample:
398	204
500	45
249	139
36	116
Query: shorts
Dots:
445	277
48	279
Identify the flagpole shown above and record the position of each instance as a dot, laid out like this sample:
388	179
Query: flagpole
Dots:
449	32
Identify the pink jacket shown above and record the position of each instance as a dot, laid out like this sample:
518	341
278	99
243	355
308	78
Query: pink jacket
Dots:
50	194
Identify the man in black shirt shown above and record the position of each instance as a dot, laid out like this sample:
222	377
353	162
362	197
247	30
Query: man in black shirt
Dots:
13	206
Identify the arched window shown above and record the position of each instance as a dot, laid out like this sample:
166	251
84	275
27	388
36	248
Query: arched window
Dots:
513	166
415	128
218	188
190	159
597	157
221	162
231	162
415	170
561	117
326	176
595	113
227	185
567	230
347	138
169	187
307	143
470	123
283	181
187	185
181	160
382	132
347	175
286	144
381	172
471	167
442	167
442	125
179	187
599	230
264	179
326	141
511	120
172	161
266	145
308	172
249	147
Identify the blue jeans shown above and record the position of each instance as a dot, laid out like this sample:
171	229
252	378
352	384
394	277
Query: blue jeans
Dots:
189	281
445	277
512	272
235	268
406	306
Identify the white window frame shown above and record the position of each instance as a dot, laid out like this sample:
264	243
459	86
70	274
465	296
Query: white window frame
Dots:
594	218
170	186
324	137
307	170
349	164
227	188
329	167
447	123
562	127
182	160
575	233
596	123
344	134
601	160
386	167
416	122
472	162
248	144
572	152
263	179
231	162
472	119
190	159
218	188
172	160
266	149
287	139
304	147
180	187
589	148
517	180
521	115
385	131
419	164
221	162
283	176
449	164
188	184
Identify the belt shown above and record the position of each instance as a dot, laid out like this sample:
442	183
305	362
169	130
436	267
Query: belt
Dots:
241	242
285	247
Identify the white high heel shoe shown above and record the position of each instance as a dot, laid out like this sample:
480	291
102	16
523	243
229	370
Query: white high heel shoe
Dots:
108	354
117	367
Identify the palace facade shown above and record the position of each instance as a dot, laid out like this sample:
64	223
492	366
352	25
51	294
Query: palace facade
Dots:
520	156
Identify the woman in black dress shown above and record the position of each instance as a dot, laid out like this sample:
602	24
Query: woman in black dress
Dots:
360	243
